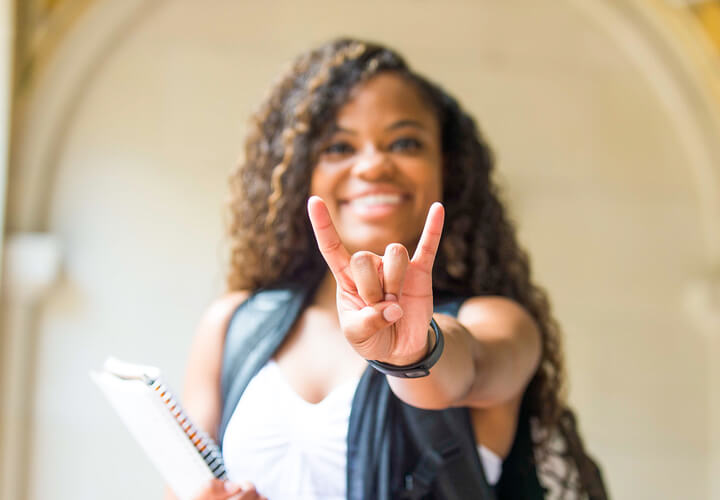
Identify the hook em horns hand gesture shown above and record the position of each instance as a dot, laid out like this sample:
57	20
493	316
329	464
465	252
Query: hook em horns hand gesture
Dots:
384	303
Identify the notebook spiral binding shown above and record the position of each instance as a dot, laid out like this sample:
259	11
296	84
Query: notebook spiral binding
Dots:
204	444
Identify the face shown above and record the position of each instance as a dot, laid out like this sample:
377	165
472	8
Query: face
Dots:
381	168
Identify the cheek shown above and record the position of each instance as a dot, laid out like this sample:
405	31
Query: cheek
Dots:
437	184
432	182
325	179
319	182
313	186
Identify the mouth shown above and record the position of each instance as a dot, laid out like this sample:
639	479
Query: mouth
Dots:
374	206
376	200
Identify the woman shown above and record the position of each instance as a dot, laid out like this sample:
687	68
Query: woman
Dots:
385	158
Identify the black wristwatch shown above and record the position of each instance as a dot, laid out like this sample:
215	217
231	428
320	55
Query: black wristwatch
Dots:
419	369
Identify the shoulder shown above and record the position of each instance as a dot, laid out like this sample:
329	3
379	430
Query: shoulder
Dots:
506	324
207	346
217	315
497	310
202	399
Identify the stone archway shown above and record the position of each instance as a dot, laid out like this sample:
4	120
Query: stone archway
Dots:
639	27
32	256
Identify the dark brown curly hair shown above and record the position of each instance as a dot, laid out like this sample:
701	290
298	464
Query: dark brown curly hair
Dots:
270	235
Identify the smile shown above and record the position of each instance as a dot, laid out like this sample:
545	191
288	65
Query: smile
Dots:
375	207
374	200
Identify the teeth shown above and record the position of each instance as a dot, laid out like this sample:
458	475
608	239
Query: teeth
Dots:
378	199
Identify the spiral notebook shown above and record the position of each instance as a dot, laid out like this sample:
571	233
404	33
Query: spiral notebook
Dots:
186	457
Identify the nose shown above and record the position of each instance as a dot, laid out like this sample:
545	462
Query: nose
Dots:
373	165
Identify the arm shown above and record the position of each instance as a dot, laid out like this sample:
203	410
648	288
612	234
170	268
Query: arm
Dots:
385	305
491	351
201	397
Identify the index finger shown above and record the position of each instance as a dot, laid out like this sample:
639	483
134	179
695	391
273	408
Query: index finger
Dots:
331	248
424	255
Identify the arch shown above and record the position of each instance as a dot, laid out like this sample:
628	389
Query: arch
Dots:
639	26
647	32
53	99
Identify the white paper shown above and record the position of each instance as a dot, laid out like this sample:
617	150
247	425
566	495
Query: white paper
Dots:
158	433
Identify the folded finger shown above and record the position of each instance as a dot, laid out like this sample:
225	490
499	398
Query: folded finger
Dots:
369	320
366	269
394	264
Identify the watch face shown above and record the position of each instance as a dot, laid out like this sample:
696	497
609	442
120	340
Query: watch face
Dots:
416	373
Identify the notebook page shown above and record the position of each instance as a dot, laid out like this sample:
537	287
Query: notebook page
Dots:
157	432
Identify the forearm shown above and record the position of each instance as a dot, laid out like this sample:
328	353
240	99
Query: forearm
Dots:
479	369
452	376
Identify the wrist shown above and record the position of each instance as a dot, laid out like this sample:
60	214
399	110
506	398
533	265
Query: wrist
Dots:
415	357
420	367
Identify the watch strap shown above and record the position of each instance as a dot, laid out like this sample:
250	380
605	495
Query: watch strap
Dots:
420	368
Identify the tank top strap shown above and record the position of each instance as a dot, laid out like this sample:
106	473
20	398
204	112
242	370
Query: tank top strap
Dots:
448	304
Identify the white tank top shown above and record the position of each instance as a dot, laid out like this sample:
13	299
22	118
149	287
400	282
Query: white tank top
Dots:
291	449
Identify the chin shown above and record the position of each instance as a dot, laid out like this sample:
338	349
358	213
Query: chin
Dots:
375	243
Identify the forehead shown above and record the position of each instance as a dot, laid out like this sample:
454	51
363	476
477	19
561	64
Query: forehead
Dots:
384	99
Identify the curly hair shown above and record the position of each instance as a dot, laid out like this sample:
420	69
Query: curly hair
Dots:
271	238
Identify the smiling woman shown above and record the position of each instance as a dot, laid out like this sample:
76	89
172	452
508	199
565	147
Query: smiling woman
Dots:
381	167
456	334
602	116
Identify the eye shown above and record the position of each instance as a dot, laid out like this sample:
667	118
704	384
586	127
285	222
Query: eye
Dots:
406	144
338	148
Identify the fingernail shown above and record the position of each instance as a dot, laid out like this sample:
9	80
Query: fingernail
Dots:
392	313
391	297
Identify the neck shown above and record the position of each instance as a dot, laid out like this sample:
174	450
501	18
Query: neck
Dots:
326	295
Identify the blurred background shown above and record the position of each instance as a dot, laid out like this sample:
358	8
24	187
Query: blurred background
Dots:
119	123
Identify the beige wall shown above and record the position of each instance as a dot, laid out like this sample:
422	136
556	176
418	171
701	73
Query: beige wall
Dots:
595	173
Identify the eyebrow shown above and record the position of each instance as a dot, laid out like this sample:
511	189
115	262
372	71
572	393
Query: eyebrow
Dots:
406	123
393	126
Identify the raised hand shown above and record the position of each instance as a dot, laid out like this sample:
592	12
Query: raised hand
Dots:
384	303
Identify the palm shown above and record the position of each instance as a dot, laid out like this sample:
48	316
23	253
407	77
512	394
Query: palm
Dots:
365	280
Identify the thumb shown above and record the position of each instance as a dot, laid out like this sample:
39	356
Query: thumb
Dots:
364	323
392	312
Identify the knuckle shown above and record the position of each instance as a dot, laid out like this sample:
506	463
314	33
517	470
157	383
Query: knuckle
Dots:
396	250
374	298
427	249
374	294
331	246
360	258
